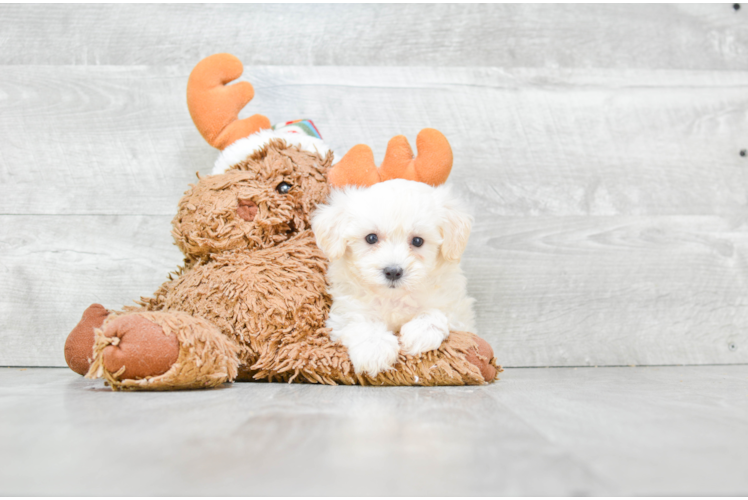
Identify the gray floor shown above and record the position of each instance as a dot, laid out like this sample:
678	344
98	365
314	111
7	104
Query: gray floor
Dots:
581	431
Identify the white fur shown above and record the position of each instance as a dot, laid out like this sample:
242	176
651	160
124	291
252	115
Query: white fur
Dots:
431	297
371	346
425	332
239	150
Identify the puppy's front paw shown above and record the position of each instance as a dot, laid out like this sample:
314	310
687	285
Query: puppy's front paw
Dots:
374	353
424	333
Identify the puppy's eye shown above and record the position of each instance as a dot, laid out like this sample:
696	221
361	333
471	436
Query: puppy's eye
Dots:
283	187
417	242
371	238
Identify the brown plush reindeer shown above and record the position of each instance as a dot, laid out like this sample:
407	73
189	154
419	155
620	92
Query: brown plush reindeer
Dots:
250	300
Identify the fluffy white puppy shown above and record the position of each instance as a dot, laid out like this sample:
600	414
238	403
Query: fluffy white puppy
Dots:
394	251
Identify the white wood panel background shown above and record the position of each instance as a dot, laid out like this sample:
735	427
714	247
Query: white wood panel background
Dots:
598	146
609	36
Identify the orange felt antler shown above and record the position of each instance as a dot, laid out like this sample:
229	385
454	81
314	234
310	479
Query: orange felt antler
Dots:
432	165
215	107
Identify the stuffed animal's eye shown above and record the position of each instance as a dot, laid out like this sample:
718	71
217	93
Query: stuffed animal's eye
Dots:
417	242
371	238
283	187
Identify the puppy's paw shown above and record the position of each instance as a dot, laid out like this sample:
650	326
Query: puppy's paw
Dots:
424	333
373	352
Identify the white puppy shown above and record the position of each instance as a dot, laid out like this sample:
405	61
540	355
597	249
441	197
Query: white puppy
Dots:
394	251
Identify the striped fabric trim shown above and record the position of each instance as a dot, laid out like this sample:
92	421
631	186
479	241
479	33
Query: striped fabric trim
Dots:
303	126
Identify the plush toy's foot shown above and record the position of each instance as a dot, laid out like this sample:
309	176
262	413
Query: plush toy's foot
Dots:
162	351
138	348
79	344
483	359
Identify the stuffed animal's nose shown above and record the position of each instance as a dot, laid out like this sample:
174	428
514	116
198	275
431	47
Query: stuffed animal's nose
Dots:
247	210
393	273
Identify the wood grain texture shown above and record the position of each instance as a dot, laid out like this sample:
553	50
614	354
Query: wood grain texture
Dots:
536	432
647	431
558	291
611	290
53	267
116	140
706	37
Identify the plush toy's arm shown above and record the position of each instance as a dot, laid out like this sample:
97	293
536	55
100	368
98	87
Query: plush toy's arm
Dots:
462	359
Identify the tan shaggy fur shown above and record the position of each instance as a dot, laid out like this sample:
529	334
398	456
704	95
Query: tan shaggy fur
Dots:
250	300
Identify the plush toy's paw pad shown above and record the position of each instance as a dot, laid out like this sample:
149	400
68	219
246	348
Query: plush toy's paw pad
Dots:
424	333
481	357
374	353
80	341
143	349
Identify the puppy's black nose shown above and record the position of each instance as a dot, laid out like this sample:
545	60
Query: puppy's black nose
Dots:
393	273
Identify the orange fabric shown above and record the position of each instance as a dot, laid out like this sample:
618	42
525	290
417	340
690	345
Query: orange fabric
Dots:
215	107
143	348
79	344
434	161
357	168
481	357
432	165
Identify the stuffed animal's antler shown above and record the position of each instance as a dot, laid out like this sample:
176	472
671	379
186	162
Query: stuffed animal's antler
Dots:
214	107
432	165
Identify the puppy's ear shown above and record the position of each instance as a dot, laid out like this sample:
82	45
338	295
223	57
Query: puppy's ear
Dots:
328	223
455	225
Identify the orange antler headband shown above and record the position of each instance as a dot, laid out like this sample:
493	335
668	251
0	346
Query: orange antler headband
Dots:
432	165
215	107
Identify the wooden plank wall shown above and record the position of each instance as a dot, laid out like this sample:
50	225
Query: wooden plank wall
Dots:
598	145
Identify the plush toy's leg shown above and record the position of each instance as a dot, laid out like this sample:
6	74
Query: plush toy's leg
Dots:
163	350
79	344
462	359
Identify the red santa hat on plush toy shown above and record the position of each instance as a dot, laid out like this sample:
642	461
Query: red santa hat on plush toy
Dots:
215	108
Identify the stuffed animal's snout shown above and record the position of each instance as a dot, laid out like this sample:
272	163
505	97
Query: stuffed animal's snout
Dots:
247	210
